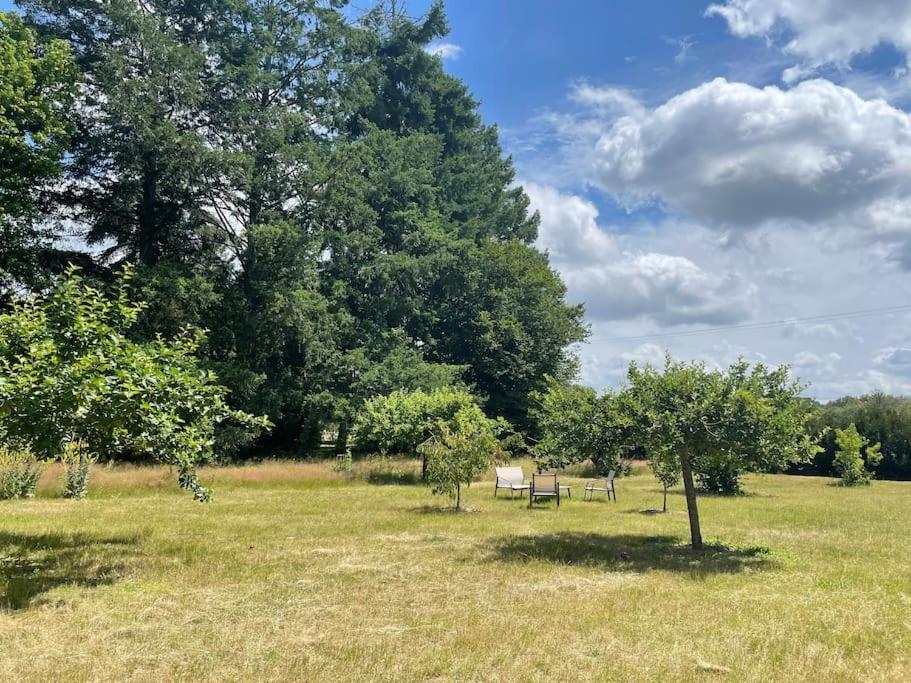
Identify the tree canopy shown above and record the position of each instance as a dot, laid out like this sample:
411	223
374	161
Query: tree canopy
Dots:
37	85
314	190
684	416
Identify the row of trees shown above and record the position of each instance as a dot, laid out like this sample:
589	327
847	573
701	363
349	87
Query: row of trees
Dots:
310	188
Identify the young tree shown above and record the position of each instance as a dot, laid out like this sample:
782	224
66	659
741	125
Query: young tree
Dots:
666	471
458	452
853	454
68	371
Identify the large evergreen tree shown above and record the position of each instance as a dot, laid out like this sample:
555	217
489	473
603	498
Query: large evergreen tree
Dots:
316	192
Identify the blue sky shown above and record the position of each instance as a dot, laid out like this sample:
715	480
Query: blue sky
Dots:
714	180
702	170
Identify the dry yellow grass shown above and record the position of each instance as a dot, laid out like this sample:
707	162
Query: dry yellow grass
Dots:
296	573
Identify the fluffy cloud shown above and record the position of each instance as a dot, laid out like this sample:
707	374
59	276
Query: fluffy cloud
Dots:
619	282
822	31
445	50
732	155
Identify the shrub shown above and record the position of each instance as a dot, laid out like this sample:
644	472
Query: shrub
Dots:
459	452
853	454
400	422
718	474
343	463
77	464
20	470
69	369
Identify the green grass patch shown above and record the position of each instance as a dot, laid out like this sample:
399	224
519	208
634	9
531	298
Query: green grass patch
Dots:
295	572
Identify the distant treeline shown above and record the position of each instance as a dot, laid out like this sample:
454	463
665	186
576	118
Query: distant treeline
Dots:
879	418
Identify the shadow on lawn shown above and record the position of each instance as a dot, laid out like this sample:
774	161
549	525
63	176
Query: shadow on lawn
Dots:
626	552
32	564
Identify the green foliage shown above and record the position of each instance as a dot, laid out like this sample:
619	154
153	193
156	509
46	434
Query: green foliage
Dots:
683	416
667	472
853	454
879	418
752	418
579	425
458	452
37	79
719	473
401	421
318	194
68	370
20	470
344	463
77	464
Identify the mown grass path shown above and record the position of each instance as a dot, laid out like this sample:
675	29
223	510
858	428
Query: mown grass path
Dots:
296	573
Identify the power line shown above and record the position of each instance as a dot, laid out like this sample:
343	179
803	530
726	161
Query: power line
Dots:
769	323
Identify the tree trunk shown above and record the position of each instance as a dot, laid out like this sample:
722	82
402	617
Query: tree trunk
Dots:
423	467
458	497
341	440
147	238
690	488
664	506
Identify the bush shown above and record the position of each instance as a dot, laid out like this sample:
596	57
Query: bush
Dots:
343	463
717	474
20	470
853	453
400	422
77	464
69	369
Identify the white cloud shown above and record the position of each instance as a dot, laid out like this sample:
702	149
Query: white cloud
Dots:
622	282
811	366
735	156
605	98
684	45
821	31
445	50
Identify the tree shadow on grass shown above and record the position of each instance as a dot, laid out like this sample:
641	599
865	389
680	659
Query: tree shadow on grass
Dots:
627	552
442	510
33	564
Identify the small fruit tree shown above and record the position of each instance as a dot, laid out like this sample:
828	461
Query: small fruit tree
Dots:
750	418
459	451
69	370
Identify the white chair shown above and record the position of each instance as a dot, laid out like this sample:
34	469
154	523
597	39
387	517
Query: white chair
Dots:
511	478
605	486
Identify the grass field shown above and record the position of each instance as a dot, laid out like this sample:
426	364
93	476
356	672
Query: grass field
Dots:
295	572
